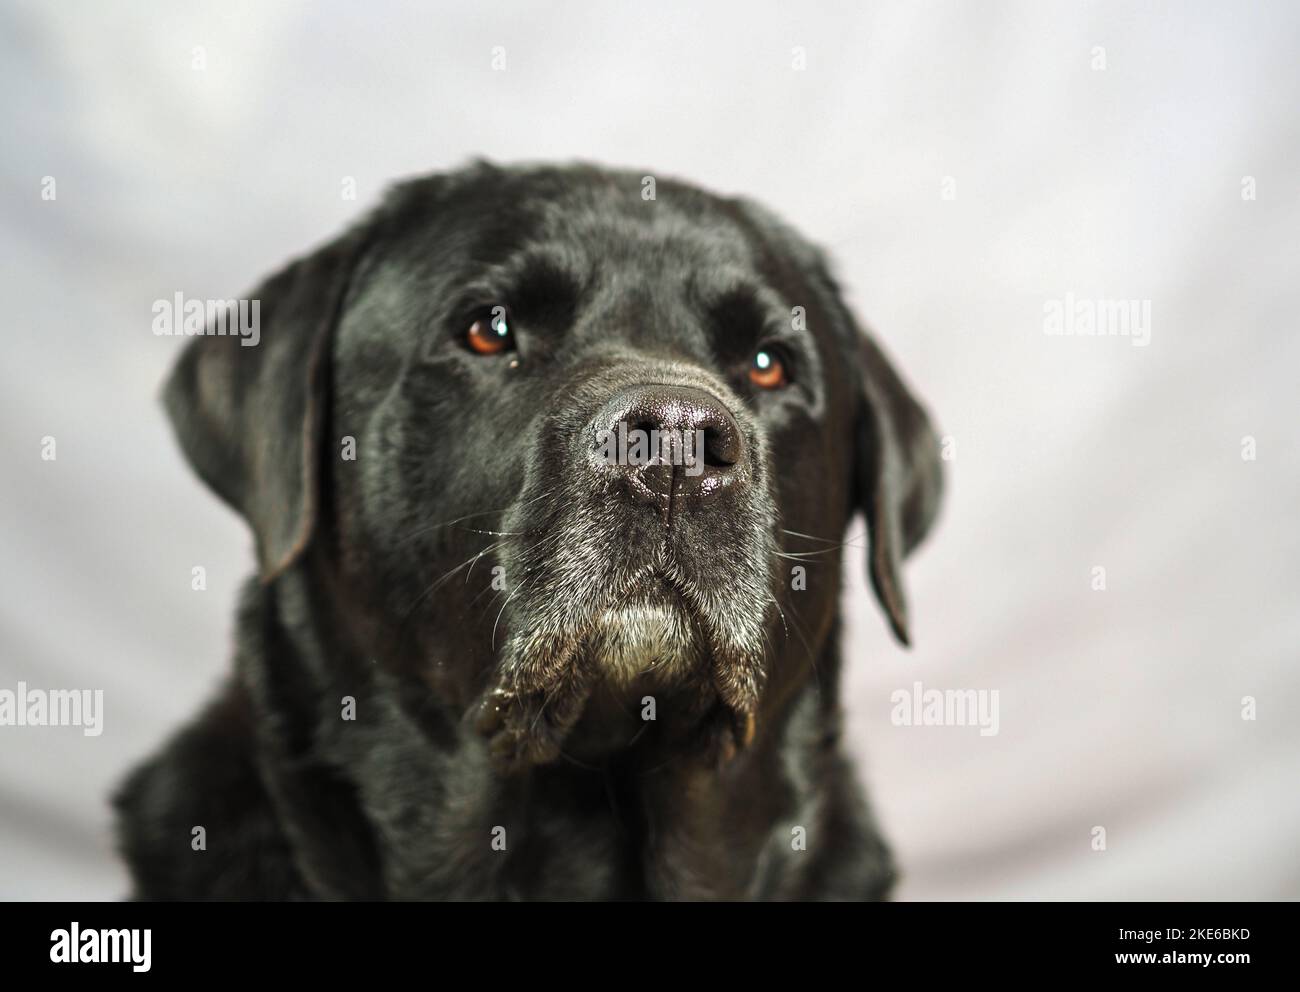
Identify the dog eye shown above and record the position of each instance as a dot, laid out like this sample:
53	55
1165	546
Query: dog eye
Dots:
768	369
490	334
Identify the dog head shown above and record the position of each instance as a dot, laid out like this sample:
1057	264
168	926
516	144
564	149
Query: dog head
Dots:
550	434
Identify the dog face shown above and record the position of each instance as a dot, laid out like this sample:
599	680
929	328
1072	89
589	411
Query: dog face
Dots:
548	437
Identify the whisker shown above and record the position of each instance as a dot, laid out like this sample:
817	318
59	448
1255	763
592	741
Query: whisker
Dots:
781	612
555	689
448	574
524	585
852	542
808	555
813	537
470	516
812	660
486	588
490	547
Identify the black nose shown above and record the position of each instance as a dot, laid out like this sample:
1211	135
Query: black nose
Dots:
675	445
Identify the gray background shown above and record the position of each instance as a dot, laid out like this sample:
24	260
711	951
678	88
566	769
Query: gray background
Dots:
1119	708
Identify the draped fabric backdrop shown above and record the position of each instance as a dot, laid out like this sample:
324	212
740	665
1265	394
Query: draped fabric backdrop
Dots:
970	166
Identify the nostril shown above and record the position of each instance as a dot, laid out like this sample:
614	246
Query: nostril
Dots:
721	447
645	424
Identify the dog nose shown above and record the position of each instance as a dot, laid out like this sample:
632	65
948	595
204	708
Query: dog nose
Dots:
672	443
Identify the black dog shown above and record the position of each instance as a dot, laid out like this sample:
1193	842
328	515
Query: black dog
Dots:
491	655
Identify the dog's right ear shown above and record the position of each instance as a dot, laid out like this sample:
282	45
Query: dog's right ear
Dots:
249	408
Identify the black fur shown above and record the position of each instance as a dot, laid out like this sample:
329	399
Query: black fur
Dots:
522	708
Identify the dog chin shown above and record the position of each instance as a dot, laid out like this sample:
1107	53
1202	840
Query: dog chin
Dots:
657	641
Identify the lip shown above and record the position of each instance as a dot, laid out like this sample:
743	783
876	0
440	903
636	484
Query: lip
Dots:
664	499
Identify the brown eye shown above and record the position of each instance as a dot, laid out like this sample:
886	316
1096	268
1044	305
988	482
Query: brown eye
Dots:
767	370
490	335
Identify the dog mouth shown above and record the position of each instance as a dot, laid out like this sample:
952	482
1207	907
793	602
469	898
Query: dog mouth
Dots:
644	623
661	628
671	620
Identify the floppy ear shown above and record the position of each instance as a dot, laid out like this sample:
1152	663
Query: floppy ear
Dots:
899	476
250	418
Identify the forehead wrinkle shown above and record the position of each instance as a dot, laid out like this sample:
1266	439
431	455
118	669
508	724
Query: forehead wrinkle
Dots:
632	306
713	286
567	260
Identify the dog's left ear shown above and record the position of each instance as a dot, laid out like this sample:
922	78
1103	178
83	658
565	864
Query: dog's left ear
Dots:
898	475
250	416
